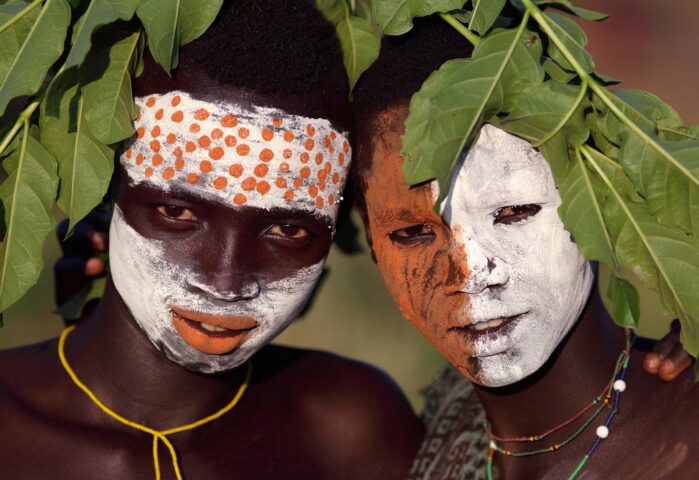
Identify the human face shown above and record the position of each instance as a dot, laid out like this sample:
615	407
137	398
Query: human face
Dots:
498	290
215	249
527	281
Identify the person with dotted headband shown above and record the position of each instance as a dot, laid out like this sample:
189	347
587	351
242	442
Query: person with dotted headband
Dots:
226	201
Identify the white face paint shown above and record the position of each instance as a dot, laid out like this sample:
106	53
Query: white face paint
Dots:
239	157
529	269
150	283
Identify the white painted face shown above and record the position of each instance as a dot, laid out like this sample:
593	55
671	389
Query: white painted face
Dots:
527	281
150	284
287	163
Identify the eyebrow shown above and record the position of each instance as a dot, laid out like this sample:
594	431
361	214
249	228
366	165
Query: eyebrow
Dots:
404	214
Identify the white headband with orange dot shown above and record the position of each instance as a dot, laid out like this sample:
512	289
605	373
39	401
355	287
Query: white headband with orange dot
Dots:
259	157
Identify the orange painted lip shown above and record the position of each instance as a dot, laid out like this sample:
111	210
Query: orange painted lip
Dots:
186	324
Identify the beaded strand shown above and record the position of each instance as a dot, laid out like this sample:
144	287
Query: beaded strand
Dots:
614	388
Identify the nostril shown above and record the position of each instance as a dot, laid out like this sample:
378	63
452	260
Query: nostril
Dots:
229	291
491	265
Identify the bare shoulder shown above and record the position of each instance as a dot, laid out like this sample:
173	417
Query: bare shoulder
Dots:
660	419
360	409
27	377
25	366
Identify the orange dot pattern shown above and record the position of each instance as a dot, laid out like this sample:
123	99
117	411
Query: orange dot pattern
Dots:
264	158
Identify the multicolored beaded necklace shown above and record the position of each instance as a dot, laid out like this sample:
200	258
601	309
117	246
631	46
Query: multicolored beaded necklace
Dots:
608	399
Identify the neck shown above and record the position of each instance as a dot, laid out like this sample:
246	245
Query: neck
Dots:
576	373
115	359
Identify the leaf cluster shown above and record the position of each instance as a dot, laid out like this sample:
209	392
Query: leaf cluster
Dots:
66	70
626	166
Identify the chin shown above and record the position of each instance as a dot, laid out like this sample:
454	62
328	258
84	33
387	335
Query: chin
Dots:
177	351
505	369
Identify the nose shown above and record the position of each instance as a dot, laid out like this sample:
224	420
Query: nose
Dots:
226	286
485	271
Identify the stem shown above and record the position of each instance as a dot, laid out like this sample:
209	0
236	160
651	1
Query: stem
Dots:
20	15
461	28
597	208
10	212
24	116
567	116
601	92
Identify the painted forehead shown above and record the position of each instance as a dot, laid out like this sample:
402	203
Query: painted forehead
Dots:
258	157
500	166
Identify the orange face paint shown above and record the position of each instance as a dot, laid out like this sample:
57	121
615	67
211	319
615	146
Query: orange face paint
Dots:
188	324
424	276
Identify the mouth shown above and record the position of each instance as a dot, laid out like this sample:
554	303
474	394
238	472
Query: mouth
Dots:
489	332
210	333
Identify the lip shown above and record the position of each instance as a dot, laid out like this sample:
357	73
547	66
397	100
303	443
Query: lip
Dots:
187	324
489	335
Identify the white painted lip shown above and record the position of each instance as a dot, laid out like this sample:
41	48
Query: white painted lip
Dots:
477	321
490	340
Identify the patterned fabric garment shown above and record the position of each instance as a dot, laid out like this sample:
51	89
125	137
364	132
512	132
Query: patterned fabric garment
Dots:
455	445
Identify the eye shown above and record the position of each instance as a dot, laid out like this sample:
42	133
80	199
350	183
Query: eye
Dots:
288	231
173	212
515	213
412	235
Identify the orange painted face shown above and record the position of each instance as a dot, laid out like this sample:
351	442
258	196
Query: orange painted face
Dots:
422	264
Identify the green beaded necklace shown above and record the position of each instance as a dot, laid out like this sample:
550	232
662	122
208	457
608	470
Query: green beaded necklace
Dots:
604	401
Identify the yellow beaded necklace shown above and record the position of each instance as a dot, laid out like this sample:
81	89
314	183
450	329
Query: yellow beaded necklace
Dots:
158	435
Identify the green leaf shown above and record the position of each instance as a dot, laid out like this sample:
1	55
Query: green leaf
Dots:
626	308
568	7
667	175
14	10
548	109
173	23
670	131
85	164
573	38
583	196
109	106
555	71
395	17
332	10
98	13
160	19
28	48
664	259
605	80
640	108
485	12
27	197
456	99
464	16
195	17
360	45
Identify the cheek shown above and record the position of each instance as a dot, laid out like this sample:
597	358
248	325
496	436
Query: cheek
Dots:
424	283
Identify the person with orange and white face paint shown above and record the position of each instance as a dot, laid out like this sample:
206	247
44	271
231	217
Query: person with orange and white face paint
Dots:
226	203
497	285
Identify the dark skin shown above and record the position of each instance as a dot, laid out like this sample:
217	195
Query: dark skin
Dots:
653	434
306	414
